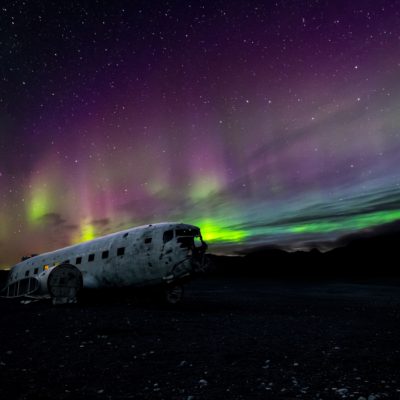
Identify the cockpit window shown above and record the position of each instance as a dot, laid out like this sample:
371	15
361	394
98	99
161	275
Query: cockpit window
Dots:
186	241
198	242
187	232
168	235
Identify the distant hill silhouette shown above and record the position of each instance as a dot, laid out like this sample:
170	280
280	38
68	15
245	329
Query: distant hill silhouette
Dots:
368	254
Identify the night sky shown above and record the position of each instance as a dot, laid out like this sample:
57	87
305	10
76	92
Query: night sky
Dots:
274	122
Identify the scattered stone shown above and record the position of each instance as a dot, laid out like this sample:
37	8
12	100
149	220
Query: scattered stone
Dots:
203	382
266	365
342	391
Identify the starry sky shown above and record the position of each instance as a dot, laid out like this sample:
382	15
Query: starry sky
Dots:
263	122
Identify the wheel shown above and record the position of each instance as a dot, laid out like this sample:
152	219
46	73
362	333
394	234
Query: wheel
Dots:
173	294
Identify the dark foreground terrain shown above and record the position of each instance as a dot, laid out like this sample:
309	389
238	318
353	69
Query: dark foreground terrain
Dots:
232	338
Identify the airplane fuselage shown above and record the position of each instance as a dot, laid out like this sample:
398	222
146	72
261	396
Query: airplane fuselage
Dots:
146	255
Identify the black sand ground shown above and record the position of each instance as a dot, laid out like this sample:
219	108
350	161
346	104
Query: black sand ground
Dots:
232	338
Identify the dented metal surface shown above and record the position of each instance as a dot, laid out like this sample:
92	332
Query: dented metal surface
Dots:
156	254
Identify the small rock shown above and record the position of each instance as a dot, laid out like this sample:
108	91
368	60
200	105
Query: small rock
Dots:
203	382
342	391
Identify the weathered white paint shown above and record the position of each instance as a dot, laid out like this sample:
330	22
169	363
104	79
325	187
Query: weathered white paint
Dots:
147	260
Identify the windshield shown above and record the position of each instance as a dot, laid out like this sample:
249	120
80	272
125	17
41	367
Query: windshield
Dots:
188	232
189	237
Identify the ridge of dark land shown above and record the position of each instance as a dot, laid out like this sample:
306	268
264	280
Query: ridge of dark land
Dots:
363	256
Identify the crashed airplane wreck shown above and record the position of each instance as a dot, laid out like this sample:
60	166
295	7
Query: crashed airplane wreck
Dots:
163	255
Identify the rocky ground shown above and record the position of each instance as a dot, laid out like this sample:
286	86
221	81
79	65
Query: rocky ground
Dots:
230	339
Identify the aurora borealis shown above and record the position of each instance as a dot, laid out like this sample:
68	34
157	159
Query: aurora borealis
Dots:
261	122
